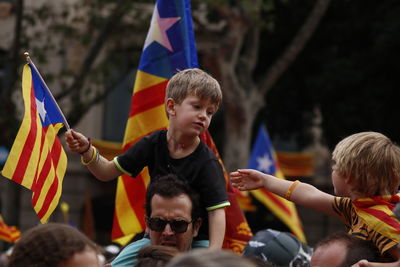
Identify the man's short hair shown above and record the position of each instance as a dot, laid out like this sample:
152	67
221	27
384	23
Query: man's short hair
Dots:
194	81
356	248
170	186
372	160
49	245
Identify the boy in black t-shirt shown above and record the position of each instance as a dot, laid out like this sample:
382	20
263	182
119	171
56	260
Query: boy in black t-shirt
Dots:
192	98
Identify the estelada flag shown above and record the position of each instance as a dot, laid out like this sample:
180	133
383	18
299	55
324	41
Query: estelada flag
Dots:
263	158
168	48
37	159
8	233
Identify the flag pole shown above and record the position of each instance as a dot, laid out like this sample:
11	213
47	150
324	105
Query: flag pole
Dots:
28	59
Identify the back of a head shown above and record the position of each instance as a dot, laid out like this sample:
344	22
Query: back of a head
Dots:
48	245
356	248
278	249
155	256
210	258
194	81
372	160
170	186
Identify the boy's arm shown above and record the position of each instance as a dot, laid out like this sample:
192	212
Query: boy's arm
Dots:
102	168
302	193
216	227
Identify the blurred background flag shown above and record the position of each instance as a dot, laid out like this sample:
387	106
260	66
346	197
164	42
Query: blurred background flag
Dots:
37	159
8	233
168	48
263	158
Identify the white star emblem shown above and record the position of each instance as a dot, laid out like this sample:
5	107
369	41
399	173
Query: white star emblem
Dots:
158	30
264	163
40	108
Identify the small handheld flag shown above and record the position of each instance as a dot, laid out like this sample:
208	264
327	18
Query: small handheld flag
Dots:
37	160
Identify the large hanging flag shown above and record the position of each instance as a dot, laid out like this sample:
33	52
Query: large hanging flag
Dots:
8	233
37	159
168	48
263	158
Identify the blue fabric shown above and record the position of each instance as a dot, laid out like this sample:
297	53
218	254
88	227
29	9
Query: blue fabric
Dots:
128	256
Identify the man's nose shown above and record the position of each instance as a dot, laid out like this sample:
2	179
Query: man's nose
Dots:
168	231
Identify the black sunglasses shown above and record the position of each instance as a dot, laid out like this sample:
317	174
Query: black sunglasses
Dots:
158	225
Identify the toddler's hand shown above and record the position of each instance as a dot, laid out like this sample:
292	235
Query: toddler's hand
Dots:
76	142
247	179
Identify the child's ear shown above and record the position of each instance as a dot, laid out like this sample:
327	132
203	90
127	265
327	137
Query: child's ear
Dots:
170	106
348	180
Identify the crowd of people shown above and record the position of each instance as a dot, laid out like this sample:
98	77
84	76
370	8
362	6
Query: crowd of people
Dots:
186	197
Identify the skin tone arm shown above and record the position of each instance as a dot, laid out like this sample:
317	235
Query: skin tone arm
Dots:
303	194
365	263
216	227
102	168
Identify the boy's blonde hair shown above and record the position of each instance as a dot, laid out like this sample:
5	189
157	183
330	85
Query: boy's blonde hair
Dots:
194	81
372	161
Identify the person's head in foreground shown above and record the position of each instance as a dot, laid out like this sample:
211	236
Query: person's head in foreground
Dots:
342	250
155	256
366	164
54	245
210	258
172	212
278	249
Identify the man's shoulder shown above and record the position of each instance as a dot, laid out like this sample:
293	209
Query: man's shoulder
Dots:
128	255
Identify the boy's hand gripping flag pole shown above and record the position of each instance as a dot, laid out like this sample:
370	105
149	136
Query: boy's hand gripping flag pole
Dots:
37	160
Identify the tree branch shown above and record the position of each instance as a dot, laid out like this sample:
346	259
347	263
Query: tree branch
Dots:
296	46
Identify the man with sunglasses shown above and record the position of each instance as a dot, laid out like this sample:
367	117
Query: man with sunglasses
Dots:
172	218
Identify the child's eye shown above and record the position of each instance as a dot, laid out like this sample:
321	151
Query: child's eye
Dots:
196	106
210	113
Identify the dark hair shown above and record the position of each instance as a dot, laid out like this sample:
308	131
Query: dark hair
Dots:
210	257
48	245
356	248
170	186
155	256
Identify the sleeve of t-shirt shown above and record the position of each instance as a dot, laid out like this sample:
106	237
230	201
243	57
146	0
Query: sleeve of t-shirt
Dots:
211	186
135	158
342	206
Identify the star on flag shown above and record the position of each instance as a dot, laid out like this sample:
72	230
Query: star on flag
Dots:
265	163
158	30
41	109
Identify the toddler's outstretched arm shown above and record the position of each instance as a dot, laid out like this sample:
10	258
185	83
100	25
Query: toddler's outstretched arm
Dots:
102	168
300	193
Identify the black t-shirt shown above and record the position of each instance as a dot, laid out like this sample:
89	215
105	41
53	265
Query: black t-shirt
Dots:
200	169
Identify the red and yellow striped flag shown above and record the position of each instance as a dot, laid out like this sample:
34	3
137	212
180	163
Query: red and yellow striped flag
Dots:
37	160
8	233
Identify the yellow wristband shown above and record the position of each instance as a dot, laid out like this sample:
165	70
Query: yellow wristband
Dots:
290	189
95	155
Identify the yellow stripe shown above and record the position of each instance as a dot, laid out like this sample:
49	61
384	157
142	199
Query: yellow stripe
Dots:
127	219
144	80
144	123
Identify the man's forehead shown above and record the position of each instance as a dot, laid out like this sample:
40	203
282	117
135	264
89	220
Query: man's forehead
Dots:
180	204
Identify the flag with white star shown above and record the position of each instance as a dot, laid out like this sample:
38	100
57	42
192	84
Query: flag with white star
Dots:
263	158
37	159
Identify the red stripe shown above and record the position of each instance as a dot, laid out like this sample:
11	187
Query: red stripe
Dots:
116	231
55	155
384	217
39	179
136	193
148	98
49	197
29	143
277	201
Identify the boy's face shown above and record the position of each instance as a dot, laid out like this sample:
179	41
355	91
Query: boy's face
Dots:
339	183
192	116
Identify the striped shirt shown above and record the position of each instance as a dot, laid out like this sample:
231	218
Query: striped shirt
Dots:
347	212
